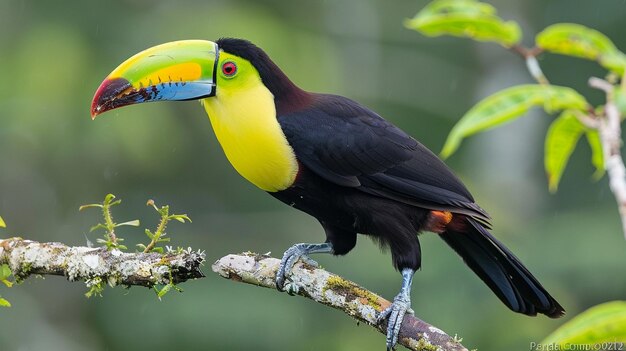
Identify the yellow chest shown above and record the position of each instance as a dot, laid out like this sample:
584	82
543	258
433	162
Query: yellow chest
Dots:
245	125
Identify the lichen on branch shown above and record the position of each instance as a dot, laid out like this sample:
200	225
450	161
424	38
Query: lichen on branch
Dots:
99	266
332	290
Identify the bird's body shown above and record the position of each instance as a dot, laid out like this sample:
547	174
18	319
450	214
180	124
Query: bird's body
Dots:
338	161
346	153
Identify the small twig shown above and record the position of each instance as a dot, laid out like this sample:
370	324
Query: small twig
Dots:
159	232
535	70
26	257
329	289
587	120
610	132
525	52
530	57
603	85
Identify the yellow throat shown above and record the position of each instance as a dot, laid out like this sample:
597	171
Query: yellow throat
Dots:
244	120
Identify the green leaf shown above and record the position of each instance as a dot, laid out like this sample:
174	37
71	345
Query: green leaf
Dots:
181	218
619	97
563	135
98	226
164	290
4	303
5	271
597	153
2	224
465	18
580	41
88	206
116	202
149	234
508	104
599	324
134	223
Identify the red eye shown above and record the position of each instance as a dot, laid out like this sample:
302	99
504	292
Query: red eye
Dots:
229	68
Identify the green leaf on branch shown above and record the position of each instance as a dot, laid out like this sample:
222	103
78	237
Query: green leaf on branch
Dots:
563	135
133	223
89	206
604	323
5	273
580	41
165	289
597	153
508	104
619	97
181	218
465	18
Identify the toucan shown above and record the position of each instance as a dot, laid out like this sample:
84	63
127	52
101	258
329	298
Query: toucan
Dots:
332	158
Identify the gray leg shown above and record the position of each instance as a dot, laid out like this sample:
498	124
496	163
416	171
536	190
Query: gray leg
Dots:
297	251
401	306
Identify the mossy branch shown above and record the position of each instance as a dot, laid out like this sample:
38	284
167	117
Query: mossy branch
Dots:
332	290
99	266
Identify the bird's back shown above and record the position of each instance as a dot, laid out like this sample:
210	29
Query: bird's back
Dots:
350	145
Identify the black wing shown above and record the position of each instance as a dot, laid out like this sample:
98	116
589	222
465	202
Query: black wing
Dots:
349	145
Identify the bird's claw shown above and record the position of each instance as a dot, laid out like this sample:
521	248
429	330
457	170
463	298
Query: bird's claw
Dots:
395	314
290	257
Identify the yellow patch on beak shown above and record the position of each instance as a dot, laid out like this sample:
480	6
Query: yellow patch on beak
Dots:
180	73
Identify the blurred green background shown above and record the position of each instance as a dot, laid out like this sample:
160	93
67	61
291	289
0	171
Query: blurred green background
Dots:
53	158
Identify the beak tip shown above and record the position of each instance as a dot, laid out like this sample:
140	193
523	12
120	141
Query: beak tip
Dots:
98	100
107	97
95	109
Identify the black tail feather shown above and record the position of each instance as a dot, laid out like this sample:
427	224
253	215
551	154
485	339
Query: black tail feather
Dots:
501	270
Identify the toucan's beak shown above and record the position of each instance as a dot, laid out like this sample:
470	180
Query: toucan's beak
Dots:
180	70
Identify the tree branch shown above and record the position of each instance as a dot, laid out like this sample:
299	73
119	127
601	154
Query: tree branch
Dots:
611	138
331	290
99	265
609	128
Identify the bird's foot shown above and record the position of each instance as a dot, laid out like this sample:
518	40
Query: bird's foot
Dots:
292	255
395	314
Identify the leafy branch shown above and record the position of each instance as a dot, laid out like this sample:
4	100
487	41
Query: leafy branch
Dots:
601	125
154	267
577	118
110	240
99	266
159	233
